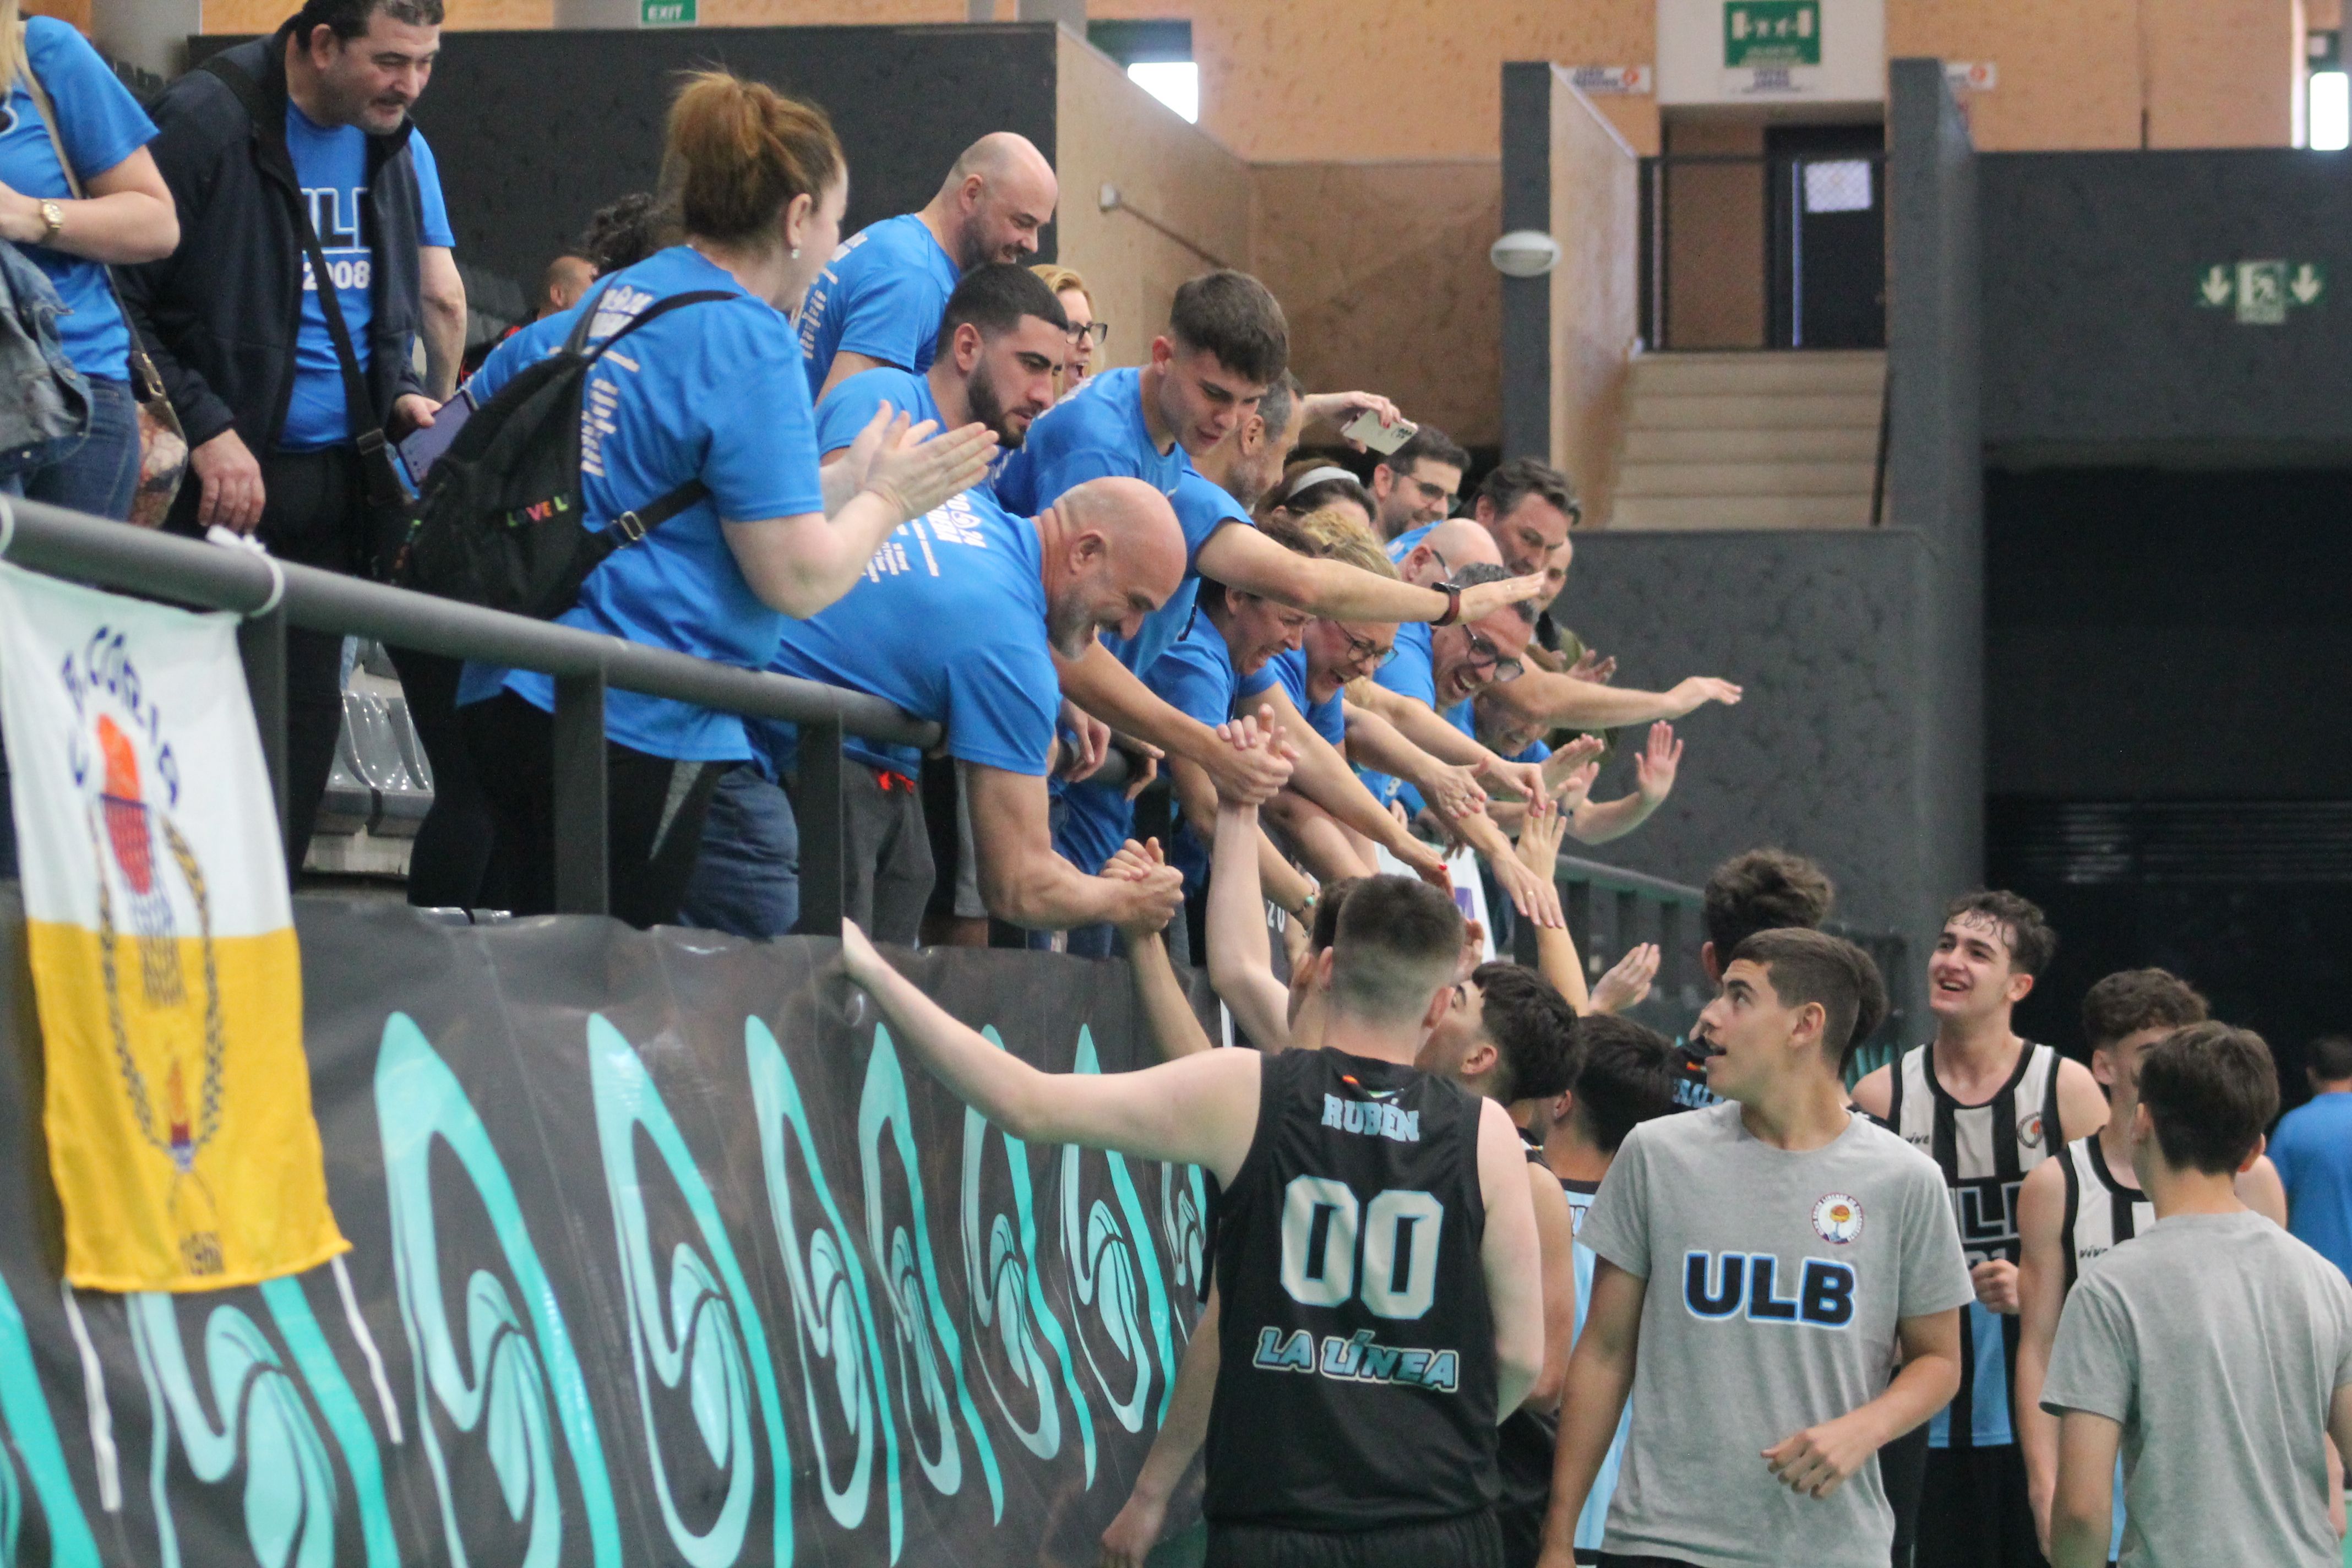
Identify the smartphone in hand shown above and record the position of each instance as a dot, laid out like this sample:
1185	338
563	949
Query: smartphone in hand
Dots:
1384	440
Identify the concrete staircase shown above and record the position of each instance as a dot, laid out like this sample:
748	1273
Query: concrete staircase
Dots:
1751	440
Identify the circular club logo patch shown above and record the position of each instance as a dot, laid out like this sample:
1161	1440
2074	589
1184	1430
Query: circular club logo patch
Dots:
1837	1217
2028	1131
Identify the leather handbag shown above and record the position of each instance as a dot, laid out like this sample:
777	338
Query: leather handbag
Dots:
162	444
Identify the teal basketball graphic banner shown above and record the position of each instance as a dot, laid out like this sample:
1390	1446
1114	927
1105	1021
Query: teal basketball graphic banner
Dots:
663	1252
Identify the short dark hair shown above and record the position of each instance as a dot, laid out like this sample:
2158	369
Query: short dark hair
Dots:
1764	889
351	19
1327	912
1521	477
1282	397
995	296
1398	939
1237	319
2210	1090
623	232
1814	967
1480	572
2031	943
2331	1058
1533	1029
1427	444
2131	1000
1625	1076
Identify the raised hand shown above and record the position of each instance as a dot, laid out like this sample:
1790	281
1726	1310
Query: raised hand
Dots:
1484	599
1254	763
913	475
1453	791
1654	765
1698	690
859	959
1594	666
1525	780
1540	835
1629	981
1342	407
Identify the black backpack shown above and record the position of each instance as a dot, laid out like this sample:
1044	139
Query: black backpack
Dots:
501	523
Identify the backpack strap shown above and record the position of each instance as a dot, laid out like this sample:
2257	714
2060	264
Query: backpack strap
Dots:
633	525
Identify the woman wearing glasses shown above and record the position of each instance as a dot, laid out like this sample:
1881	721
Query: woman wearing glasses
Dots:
1087	333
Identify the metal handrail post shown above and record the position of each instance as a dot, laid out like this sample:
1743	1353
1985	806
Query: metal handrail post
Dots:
582	869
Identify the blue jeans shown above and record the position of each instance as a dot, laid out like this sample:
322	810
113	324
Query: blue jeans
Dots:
102	475
747	879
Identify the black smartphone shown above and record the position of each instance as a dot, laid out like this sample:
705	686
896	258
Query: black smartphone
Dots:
421	449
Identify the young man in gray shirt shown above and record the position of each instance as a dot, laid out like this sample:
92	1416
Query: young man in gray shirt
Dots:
2215	1349
1794	1245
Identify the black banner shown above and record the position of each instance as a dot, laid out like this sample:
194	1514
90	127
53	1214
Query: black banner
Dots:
663	1252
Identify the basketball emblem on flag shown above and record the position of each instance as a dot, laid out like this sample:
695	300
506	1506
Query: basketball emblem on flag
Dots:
167	1042
1837	1217
161	939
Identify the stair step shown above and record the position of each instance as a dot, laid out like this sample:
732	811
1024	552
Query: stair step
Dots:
1837	443
1740	512
1750	479
1765	412
1687	375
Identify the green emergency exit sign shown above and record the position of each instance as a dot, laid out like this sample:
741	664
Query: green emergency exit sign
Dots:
665	13
1772	33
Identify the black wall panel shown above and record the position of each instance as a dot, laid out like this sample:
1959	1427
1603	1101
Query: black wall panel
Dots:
534	130
2095	347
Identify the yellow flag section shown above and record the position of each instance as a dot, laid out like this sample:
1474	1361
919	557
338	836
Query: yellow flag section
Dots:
164	958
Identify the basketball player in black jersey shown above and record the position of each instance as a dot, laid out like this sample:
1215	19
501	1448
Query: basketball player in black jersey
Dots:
1375	1245
1981	1100
2077	1207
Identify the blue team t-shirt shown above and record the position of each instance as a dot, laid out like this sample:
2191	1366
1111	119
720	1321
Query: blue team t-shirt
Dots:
1096	432
948	623
100	124
1288	670
711	392
1403	544
331	165
2312	1152
881	296
1196	677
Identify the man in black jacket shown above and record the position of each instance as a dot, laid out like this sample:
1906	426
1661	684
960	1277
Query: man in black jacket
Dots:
305	131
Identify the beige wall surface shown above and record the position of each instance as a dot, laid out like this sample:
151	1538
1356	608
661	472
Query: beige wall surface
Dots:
1341	80
1382	269
1110	131
1596	214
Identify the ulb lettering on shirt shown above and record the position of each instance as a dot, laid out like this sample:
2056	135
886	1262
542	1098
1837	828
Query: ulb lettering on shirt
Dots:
1716	1288
1986	1209
1373	1118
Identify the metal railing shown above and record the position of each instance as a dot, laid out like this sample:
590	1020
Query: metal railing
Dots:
1610	910
273	594
1712	188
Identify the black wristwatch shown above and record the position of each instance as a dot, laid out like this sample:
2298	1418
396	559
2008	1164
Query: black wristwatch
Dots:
1453	593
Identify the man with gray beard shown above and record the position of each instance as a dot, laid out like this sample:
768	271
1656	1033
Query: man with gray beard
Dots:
957	620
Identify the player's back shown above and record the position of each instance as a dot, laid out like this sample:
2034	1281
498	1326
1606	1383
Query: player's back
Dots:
1356	1388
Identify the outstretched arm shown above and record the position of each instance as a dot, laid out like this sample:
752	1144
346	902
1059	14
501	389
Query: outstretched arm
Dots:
1556	956
1323	776
1598	822
1136	1530
1175	1027
1197	1110
1541	698
1245	559
1238	964
1600	1376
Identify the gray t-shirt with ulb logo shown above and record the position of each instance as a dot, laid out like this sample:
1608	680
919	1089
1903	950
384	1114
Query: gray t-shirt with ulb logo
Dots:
1775	1281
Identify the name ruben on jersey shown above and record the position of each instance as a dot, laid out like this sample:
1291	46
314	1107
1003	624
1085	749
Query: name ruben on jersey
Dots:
1371	1118
1358	1360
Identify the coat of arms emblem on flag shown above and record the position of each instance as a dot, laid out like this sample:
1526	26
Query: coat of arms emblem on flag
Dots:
162	937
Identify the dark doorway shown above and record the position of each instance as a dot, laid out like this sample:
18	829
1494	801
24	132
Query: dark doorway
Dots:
1825	233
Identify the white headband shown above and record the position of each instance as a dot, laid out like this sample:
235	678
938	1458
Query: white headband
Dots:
1317	475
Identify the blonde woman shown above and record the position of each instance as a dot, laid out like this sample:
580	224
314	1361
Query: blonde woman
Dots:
1087	333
